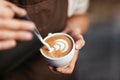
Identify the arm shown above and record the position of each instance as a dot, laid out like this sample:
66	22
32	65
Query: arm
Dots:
79	21
76	26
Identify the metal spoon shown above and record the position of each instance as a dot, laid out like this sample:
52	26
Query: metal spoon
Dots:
36	32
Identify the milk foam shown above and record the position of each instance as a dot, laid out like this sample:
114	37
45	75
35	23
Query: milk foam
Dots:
61	44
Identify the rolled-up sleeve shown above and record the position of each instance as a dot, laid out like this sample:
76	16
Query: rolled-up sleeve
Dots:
81	7
77	7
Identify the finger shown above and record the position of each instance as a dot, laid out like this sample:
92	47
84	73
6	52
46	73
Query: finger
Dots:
69	69
16	24
7	44
66	30
80	42
6	12
19	11
53	69
73	62
17	35
75	31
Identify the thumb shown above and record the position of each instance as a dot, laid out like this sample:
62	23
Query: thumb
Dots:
66	30
80	43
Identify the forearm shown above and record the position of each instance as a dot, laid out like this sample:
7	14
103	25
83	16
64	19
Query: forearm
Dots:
80	21
76	26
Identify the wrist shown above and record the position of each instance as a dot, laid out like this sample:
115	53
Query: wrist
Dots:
80	22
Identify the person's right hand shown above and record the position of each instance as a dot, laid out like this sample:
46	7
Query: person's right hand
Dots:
13	29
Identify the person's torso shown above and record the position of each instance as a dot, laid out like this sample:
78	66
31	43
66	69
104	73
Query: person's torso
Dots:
48	15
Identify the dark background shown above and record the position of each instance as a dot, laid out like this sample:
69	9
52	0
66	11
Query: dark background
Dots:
99	58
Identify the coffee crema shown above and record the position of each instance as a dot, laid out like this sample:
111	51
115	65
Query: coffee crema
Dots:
61	45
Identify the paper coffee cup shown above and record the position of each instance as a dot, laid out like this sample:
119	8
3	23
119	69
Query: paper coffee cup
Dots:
63	60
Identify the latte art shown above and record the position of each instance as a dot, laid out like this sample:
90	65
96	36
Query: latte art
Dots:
61	45
62	49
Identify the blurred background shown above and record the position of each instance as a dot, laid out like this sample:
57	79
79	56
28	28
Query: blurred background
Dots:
99	58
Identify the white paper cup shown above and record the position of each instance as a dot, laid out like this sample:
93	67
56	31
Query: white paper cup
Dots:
61	61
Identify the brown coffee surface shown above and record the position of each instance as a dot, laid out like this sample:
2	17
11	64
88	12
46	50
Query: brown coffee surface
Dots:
55	40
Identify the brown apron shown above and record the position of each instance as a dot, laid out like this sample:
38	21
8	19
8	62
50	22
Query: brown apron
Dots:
49	16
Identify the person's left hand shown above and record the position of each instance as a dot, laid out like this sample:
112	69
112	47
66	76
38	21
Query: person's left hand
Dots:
79	42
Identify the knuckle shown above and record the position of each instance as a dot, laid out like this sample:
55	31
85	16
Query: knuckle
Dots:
7	13
83	43
7	44
1	46
2	34
4	45
69	71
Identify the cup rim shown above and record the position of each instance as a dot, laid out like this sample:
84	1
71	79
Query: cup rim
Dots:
53	34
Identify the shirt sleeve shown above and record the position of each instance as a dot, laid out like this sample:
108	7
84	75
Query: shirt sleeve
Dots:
77	7
81	6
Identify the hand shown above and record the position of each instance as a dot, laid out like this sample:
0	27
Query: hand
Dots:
79	42
12	29
8	10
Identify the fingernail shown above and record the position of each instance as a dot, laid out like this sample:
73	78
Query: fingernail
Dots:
22	11
30	25
12	43
77	47
28	36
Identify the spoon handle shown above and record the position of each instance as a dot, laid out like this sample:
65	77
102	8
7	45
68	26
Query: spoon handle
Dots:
36	32
41	39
